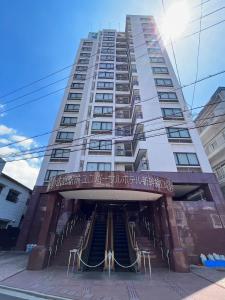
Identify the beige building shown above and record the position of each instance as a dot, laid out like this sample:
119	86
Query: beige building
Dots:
213	136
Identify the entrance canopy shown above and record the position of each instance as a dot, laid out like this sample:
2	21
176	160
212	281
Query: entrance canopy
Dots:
111	185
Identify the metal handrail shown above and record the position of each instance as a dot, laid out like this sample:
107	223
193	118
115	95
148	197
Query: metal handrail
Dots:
107	241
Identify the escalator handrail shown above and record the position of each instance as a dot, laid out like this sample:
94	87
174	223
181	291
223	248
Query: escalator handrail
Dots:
87	233
107	241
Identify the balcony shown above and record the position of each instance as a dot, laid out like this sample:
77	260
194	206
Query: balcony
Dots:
123	149
122	99
123	113
122	87
123	130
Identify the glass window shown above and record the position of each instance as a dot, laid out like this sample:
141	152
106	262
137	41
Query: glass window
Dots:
63	135
186	159
105	85
72	107
160	70
167	96
101	126
75	85
157	60
93	166
68	121
74	96
106	66
154	51
106	75
174	132
106	97
163	82
107	57
60	153
51	173
12	196
100	145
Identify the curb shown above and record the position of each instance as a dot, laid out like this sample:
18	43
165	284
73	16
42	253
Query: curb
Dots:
31	293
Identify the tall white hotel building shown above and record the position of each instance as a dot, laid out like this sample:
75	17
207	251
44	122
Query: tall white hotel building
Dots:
124	110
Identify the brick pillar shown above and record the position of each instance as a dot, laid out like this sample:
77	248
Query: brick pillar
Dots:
39	255
179	258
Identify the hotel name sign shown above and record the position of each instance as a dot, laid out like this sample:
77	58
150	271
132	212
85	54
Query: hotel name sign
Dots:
139	181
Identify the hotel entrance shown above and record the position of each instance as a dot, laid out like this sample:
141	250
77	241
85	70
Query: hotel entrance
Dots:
109	221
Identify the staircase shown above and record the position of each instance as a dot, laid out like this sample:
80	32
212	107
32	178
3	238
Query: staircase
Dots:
121	251
72	241
97	250
145	244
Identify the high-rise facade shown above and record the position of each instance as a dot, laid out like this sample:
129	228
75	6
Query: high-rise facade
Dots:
123	112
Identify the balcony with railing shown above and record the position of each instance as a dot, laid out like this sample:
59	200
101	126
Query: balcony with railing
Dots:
123	149
123	113
123	129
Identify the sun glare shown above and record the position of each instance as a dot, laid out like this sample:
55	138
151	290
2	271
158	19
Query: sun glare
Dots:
175	20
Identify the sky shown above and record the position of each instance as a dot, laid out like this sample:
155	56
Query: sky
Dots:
40	37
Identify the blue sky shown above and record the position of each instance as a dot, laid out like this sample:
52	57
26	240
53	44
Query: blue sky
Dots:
39	37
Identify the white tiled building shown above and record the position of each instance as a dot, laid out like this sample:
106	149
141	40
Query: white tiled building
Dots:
213	137
123	109
13	200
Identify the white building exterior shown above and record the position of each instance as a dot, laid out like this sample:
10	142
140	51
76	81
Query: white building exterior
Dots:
213	137
13	200
123	109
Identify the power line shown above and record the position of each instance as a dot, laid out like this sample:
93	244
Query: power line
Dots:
197	59
136	139
69	66
145	100
36	99
27	152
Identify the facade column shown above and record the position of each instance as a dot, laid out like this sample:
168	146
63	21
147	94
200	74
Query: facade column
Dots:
39	255
179	258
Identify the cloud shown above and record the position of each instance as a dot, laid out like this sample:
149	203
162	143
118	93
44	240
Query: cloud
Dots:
4	130
23	141
23	171
4	141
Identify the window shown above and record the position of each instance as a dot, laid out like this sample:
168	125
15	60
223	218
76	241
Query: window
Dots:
87	43
65	136
175	132
121	52
83	61
108	38
1	187
122	76
160	70
103	97
105	85
75	85
107	57
122	87
72	107
109	75
97	145
157	59
79	76
85	55
74	96
60	153
122	67
101	126
93	166
163	82
107	51
108	44
81	68
121	59
169	96
86	49
106	66
51	173
12	196
186	159
68	121
172	113
154	51
133	68
110	33
104	111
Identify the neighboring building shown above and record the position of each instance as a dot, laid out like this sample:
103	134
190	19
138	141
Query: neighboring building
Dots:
213	137
14	197
124	139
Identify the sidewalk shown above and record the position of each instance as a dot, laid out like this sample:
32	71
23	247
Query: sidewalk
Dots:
121	286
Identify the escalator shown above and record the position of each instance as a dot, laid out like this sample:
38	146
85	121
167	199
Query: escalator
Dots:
97	249
121	250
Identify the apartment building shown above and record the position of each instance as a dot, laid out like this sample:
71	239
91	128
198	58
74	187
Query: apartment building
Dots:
124	147
213	137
